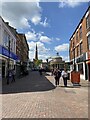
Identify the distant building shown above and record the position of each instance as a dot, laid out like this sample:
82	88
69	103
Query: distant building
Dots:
57	62
44	65
80	47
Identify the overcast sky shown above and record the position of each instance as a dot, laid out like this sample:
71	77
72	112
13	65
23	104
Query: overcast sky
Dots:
49	24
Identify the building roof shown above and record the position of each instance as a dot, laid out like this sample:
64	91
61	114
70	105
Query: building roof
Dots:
56	57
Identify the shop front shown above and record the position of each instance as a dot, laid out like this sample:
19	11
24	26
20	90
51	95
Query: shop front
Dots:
88	62
81	66
6	59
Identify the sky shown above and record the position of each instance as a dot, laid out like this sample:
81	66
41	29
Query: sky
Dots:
49	24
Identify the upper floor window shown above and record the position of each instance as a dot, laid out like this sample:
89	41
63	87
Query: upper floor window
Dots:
11	44
88	38
78	50
80	32
6	38
73	45
77	35
81	48
87	22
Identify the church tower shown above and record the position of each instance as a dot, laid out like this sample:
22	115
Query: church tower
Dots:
36	53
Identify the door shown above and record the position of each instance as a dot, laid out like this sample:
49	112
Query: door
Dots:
3	69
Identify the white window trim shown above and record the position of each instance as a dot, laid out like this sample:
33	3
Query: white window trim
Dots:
87	14
80	25
88	34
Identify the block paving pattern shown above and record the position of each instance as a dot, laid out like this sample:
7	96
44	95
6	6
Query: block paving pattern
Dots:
36	96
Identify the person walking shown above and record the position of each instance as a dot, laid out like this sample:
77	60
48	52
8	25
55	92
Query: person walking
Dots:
40	71
57	75
65	77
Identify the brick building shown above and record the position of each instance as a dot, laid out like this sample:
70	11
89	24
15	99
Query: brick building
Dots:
22	51
79	48
24	48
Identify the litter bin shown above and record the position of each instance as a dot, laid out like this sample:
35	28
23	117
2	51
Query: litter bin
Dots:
75	78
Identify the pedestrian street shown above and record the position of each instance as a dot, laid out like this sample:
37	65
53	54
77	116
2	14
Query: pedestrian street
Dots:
35	96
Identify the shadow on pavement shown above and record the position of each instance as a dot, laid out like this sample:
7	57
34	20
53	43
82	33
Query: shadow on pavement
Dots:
71	86
34	82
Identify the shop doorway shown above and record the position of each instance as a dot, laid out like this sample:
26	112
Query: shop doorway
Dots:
3	69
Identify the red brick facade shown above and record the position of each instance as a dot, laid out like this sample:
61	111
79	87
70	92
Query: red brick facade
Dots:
79	45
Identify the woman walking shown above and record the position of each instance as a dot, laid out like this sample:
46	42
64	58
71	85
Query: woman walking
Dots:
65	77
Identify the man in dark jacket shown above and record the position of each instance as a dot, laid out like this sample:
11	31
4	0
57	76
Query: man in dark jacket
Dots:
57	75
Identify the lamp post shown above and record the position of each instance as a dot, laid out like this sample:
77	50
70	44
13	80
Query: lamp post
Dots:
8	66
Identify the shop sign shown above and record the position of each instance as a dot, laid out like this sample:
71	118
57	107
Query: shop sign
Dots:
5	52
81	58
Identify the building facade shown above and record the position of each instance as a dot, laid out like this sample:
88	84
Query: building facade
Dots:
23	50
57	62
80	46
8	55
14	50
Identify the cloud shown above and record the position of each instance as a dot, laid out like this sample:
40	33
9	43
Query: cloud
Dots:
45	39
65	58
71	3
45	24
42	50
20	14
58	39
20	0
36	19
63	47
31	36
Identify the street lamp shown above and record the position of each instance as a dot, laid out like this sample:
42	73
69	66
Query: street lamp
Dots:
8	66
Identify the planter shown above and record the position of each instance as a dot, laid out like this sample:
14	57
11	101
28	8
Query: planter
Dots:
75	78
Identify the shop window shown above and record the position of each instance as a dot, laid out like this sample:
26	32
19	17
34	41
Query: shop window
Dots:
6	38
78	50
88	38
77	35
81	48
80	32
80	68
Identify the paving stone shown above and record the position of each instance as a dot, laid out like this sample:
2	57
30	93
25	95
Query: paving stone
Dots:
36	96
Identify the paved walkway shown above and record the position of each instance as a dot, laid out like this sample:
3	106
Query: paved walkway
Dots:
35	96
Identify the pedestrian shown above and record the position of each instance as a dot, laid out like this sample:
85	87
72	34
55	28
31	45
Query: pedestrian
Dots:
40	71
8	76
65	77
13	75
52	71
57	75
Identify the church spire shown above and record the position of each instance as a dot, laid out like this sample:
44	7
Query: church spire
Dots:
36	53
